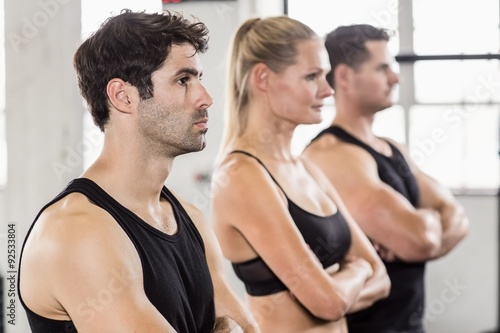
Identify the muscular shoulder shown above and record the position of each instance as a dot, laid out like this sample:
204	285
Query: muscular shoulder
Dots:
69	219
74	244
328	151
72	230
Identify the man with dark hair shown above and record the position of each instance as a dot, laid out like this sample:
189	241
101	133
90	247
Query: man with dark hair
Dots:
116	251
409	217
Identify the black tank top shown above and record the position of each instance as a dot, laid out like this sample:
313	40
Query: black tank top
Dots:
175	272
403	310
328	237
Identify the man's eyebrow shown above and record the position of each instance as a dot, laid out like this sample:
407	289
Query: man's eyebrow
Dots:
188	70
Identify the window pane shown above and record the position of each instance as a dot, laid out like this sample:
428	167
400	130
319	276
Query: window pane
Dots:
390	123
452	81
481	81
436	143
454	27
457	145
482	162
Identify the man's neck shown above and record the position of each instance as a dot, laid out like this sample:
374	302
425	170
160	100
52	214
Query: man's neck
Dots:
360	127
133	179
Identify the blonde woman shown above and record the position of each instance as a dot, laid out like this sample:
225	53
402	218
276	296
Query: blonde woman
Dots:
303	260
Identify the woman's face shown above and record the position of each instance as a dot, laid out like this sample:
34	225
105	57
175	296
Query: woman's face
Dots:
296	94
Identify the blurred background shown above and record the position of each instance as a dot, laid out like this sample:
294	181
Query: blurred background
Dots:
446	110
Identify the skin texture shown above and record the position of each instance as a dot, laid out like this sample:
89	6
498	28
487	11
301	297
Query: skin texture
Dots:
398	230
77	251
258	223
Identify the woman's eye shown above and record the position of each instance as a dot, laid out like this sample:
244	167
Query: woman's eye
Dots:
311	76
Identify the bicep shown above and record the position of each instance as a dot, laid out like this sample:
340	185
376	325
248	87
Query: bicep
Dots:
433	195
383	214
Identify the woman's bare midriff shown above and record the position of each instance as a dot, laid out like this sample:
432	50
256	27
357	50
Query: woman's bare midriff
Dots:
280	313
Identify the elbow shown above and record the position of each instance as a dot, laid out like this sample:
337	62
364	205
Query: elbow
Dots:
429	248
330	308
422	249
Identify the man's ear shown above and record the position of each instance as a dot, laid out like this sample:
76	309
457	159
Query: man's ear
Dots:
343	75
121	95
259	76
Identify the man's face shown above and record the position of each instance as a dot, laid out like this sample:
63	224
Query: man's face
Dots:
374	79
175	120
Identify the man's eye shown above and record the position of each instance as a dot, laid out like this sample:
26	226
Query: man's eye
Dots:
183	80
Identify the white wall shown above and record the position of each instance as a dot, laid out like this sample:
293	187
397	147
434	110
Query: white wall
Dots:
462	287
43	119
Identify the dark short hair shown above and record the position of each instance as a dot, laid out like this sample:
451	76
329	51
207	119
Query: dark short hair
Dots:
131	46
347	45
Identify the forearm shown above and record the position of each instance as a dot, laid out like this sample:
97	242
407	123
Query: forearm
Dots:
427	237
376	288
352	278
454	227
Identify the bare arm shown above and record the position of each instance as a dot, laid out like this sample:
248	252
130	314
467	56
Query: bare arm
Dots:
231	314
383	214
81	266
451	215
439	201
265	223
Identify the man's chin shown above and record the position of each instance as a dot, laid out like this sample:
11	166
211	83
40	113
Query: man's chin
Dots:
197	148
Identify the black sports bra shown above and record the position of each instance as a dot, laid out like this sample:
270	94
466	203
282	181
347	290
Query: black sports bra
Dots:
329	237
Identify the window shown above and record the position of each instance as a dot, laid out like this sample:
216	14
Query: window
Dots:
451	120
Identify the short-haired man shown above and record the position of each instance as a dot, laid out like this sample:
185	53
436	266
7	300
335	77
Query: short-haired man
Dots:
117	251
409	217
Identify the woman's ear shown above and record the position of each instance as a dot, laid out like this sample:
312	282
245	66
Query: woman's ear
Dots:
121	95
260	76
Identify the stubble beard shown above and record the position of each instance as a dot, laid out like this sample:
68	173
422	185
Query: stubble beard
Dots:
167	132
